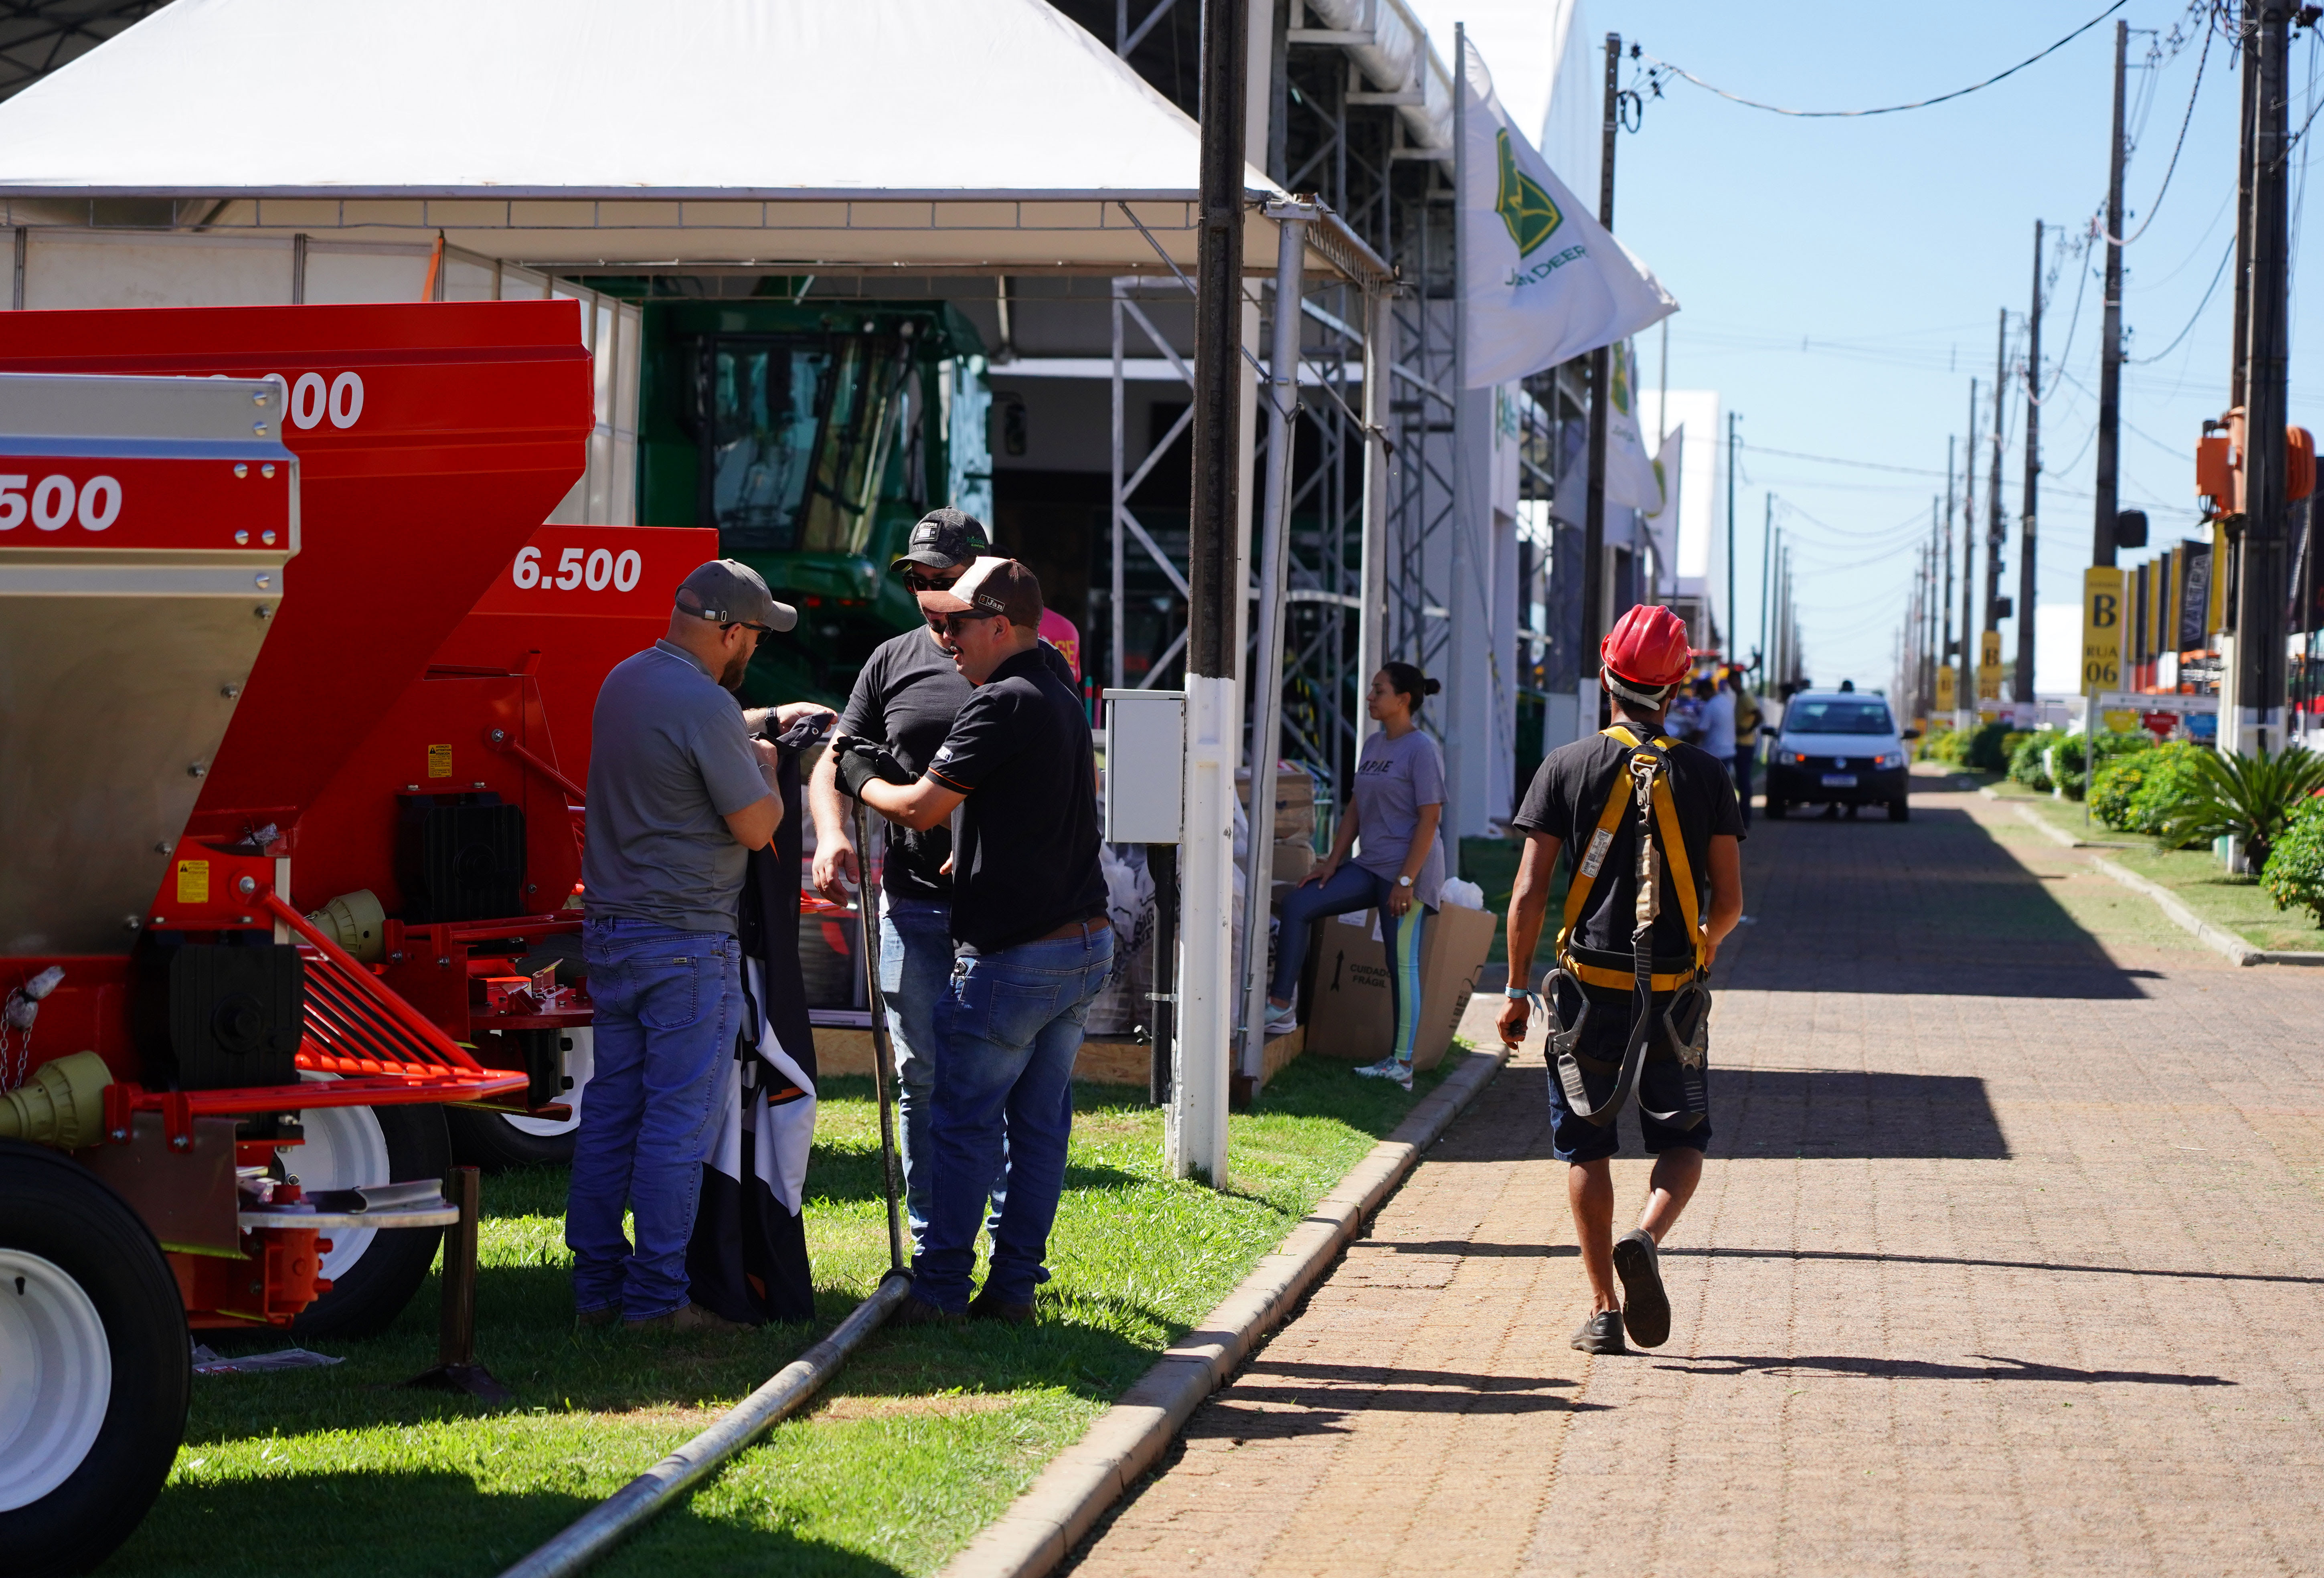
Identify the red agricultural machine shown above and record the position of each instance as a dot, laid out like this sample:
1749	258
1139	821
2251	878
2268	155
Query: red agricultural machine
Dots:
288	845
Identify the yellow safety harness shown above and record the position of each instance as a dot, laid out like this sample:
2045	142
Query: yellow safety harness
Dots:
1678	1033
1652	787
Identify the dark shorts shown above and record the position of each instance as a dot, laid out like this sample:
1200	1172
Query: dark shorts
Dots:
1575	1138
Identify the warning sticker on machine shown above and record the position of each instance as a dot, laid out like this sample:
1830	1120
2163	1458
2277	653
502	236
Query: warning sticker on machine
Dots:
439	761
193	882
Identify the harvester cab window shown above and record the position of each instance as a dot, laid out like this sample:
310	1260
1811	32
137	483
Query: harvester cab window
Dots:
798	431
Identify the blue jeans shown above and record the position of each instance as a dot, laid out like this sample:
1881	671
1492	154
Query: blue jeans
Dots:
1009	1026
916	960
669	1006
1352	888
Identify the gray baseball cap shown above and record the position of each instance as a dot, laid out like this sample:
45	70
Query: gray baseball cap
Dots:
726	591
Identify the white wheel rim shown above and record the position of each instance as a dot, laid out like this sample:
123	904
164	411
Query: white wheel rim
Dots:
56	1377
579	1062
345	1148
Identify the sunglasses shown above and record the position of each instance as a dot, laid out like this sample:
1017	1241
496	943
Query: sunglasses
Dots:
919	581
950	623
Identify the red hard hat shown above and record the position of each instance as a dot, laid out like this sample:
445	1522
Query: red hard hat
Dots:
1647	647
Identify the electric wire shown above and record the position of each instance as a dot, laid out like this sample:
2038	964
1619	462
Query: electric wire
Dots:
1891	108
2184	122
2216	275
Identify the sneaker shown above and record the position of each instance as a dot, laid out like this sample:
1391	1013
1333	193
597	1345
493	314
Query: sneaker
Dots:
1389	1068
1282	1022
1601	1333
915	1311
685	1319
585	1320
1645	1307
984	1306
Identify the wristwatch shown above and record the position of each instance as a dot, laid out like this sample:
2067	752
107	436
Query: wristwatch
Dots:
1403	881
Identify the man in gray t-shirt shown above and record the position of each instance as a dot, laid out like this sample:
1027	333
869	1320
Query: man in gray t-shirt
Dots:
676	800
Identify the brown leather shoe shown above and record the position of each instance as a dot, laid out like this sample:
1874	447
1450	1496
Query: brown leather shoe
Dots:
915	1310
985	1307
687	1318
586	1320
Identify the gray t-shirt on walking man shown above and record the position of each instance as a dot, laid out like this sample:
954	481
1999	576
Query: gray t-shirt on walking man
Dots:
670	761
1394	779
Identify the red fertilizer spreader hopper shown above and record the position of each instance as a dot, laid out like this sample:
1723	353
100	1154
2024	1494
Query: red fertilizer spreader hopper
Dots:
262	689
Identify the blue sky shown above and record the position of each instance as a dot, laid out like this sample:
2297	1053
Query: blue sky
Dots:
1840	278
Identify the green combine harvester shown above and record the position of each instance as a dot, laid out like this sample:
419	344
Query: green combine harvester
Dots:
812	435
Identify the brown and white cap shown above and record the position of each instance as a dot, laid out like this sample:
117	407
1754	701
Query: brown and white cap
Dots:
991	586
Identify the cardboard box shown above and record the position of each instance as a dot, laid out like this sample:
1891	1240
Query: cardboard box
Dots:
1348	1015
1294	804
1292	861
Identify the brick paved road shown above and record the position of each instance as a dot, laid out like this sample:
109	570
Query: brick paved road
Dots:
2008	1260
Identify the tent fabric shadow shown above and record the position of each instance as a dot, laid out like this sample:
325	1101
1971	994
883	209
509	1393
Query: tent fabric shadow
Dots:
1826	1114
1934	906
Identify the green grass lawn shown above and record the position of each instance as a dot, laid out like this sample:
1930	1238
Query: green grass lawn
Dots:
922	1438
2196	877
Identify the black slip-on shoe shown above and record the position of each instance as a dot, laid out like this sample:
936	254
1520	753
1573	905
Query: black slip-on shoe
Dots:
1645	1307
915	1311
1601	1333
984	1306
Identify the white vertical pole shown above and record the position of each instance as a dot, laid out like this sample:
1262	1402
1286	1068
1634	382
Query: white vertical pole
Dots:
1120	504
1266	684
1460	768
1194	1135
1371	628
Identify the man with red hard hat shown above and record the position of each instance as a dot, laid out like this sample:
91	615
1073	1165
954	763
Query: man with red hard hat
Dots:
1650	828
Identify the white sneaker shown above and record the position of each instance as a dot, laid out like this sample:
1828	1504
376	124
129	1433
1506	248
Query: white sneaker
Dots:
1388	1068
1281	1021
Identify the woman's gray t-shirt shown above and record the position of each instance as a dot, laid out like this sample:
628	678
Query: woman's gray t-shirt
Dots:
1394	779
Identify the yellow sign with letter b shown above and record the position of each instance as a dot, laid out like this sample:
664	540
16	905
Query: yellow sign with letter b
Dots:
2102	614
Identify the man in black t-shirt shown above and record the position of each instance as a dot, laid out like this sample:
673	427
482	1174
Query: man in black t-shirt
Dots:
1646	661
908	695
1029	918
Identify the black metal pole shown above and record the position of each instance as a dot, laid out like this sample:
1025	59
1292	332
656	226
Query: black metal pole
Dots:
2028	532
2102	525
1593	506
1162	865
2260	582
1213	565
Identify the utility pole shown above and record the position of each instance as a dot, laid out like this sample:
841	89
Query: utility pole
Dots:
1994	530
1731	632
1195	1137
1945	650
2260	583
1767	542
1593	506
2102	526
1965	690
2028	531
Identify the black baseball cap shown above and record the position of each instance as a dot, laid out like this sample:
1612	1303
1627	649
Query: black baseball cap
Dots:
726	591
944	539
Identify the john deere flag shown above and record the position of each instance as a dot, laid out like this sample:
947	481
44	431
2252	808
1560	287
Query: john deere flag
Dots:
1632	476
1542	280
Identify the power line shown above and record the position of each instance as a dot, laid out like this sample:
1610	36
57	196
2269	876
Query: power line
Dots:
1890	109
2184	121
2216	275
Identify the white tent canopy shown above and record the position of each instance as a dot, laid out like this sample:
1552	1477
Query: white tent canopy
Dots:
935	135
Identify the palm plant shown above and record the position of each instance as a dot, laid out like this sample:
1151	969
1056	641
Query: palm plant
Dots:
2249	797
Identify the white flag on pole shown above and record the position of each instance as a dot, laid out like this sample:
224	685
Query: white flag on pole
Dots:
1542	281
1632	476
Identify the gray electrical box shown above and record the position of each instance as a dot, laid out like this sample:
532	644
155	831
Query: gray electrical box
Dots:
1144	766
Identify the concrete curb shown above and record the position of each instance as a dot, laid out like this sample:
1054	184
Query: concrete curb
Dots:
1089	1476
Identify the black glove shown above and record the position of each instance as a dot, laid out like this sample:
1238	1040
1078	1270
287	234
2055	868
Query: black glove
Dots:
857	762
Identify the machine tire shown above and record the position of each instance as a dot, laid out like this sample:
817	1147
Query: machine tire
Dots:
1900	810
368	1292
491	1142
55	1210
1775	808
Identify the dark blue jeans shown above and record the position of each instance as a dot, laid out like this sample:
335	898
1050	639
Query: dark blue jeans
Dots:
1353	887
1009	1027
668	1005
1743	779
916	961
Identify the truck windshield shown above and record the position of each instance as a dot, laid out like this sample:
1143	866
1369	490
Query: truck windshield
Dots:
1837	718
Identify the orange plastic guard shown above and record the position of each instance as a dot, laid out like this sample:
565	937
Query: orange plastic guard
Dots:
356	1027
433	437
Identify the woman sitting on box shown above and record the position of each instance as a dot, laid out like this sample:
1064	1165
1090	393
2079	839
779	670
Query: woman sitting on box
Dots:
1399	798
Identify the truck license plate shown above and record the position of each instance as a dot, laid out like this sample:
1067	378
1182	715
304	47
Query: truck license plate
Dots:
1839	781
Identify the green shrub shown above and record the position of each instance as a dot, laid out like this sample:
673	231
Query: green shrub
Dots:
2294	872
2113	786
2245	798
2164	779
1936	745
2066	756
2029	762
1980	749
